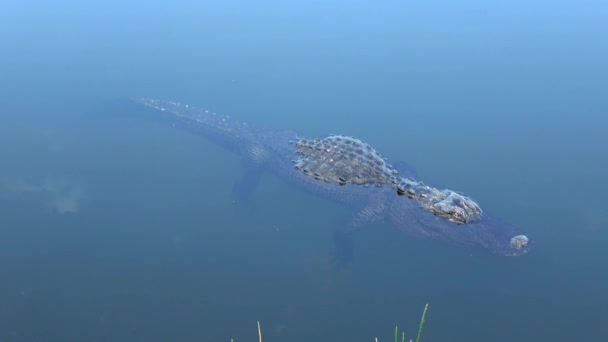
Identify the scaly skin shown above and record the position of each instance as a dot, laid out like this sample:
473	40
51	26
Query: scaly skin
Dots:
273	151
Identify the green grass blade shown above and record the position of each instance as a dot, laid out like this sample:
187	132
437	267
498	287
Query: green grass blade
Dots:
421	323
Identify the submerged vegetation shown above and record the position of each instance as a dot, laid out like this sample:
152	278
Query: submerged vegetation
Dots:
376	340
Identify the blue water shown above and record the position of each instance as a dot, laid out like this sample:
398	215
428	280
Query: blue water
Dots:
117	228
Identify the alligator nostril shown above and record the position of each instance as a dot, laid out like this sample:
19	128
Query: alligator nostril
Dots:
519	241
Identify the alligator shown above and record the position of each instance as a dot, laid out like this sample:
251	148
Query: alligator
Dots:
349	171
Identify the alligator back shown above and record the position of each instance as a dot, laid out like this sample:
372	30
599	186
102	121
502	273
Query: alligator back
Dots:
270	150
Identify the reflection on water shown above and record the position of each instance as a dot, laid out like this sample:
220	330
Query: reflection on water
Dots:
63	196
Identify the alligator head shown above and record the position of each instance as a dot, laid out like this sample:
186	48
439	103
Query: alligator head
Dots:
487	232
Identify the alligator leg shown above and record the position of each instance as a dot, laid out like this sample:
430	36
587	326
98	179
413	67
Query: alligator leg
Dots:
344	247
343	234
246	185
